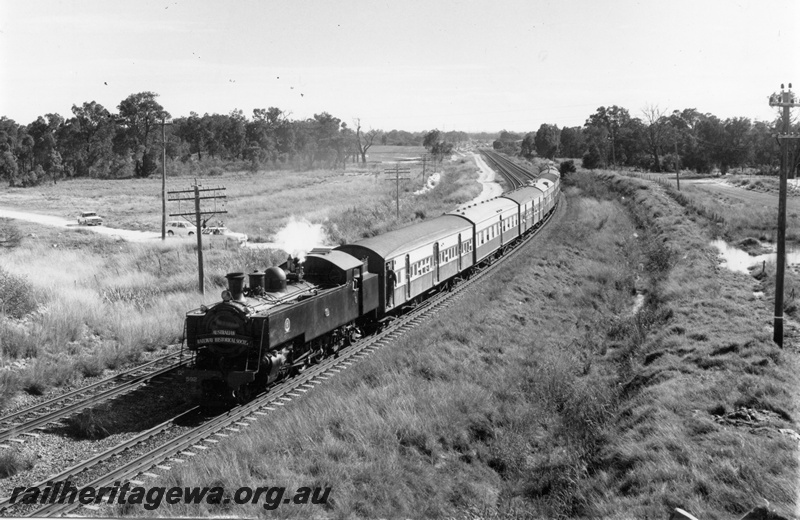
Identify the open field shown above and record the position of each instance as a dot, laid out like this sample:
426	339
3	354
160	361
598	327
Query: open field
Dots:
258	204
391	154
74	303
544	395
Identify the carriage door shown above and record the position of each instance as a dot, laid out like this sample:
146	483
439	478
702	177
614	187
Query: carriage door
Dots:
408	278
458	254
524	223
358	283
502	229
436	263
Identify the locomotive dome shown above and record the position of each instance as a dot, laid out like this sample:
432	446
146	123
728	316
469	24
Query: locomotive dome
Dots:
274	279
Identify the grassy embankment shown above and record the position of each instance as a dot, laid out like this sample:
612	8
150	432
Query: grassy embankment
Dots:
76	303
732	218
542	395
746	225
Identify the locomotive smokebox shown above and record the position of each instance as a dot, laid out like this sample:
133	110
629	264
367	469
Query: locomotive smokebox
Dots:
256	281
275	280
236	286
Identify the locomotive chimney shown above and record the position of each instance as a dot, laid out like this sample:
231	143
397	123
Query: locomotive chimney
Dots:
256	281
236	286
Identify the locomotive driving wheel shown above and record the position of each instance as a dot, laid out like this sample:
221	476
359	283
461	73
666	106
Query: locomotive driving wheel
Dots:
243	394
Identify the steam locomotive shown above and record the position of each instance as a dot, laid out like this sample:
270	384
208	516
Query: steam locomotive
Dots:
290	316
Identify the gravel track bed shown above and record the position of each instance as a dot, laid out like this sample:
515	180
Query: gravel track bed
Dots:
24	400
63	445
115	462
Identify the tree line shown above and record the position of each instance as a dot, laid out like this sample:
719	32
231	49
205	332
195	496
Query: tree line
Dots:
658	141
98	143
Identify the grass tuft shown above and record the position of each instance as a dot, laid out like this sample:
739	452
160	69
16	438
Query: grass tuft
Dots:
87	425
13	462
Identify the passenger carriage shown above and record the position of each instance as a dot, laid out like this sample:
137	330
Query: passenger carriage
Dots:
496	223
529	199
421	256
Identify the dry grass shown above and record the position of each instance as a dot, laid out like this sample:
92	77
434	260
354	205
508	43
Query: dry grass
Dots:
493	409
12	462
542	396
77	303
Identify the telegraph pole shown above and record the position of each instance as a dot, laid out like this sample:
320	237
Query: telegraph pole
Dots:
397	179
164	178
785	100
193	194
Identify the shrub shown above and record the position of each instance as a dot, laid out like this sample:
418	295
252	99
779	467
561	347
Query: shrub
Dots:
566	167
12	462
16	295
9	234
592	158
88	425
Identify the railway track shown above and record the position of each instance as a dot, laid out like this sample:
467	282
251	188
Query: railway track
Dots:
203	437
512	172
15	426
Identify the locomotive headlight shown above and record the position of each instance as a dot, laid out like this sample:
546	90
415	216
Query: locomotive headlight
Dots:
226	295
203	309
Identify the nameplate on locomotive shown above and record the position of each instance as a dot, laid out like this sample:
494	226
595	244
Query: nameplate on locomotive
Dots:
230	340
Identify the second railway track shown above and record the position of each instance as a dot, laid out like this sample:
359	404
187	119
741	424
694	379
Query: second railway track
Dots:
513	173
22	422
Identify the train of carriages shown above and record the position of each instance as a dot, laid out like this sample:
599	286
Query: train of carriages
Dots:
288	317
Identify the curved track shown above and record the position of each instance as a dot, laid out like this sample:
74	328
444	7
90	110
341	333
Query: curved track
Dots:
204	436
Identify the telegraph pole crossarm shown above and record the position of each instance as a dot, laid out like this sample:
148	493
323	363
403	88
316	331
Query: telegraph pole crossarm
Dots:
196	190
397	171
785	100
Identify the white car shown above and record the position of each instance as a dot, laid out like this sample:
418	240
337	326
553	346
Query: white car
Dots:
180	228
90	218
222	232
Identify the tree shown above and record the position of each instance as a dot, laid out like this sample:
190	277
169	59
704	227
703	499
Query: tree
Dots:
9	170
547	139
508	142
437	147
431	138
527	148
573	142
89	138
141	113
657	128
611	119
365	141
737	148
592	158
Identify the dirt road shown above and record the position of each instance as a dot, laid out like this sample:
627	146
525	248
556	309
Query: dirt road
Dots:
491	188
50	220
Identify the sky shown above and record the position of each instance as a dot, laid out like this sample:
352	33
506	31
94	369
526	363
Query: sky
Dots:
469	65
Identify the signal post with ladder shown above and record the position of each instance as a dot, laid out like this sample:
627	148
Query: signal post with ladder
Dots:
785	100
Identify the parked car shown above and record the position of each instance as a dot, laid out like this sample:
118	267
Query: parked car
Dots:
221	232
90	218
180	228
